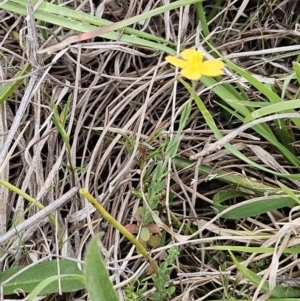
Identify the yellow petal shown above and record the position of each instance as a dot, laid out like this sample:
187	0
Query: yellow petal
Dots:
176	61
189	54
191	73
212	68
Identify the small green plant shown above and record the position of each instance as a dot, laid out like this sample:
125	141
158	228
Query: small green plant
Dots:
162	280
164	288
60	121
161	277
134	293
152	191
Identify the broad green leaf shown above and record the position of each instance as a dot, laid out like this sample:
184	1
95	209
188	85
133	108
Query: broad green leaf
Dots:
257	206
98	283
30	278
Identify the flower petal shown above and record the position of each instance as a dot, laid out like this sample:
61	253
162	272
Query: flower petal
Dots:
176	61
191	54
212	68
191	73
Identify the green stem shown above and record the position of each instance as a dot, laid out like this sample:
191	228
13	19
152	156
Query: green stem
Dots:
140	248
32	201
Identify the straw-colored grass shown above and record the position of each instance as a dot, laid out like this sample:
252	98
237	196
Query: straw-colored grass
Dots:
208	169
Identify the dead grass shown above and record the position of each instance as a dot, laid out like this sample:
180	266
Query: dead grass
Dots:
121	96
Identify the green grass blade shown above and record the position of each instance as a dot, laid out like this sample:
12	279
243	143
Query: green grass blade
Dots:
284	106
7	89
210	122
289	192
269	136
82	22
252	250
296	67
272	97
249	208
278	291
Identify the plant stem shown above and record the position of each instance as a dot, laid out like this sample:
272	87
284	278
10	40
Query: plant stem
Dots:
140	248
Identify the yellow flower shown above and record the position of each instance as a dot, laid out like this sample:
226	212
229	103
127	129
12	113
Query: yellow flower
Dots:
193	66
